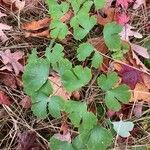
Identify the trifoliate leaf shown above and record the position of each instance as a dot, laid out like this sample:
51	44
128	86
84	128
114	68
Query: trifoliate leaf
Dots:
55	54
97	60
99	3
113	94
99	138
84	50
123	128
57	10
120	93
107	82
76	111
58	29
35	75
111	35
41	102
56	144
75	78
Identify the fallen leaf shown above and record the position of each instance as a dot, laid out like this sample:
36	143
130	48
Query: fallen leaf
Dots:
128	32
36	25
138	3
146	80
63	137
58	88
141	92
8	79
26	102
130	76
138	109
122	18
109	16
3	27
10	60
4	99
67	16
124	3
27	141
44	33
140	50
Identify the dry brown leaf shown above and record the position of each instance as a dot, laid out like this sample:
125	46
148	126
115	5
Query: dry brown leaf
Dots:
142	51
36	25
67	16
141	92
110	16
44	33
58	88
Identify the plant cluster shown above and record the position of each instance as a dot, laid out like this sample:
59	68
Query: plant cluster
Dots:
92	135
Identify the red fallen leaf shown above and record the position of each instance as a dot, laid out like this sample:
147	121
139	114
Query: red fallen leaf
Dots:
130	76
26	102
122	18
4	99
8	80
11	61
27	141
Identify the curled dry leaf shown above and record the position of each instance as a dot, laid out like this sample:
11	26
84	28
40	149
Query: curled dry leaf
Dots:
146	80
141	92
58	88
138	109
140	50
10	61
108	16
36	25
4	99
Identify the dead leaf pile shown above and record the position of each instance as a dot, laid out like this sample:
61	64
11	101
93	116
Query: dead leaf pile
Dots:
4	99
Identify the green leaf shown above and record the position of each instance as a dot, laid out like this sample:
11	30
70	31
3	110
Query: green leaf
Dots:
113	95
55	54
58	30
99	3
40	103
99	138
35	75
56	144
78	144
55	106
120	93
76	111
84	50
97	60
111	35
57	10
123	128
107	82
75	78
